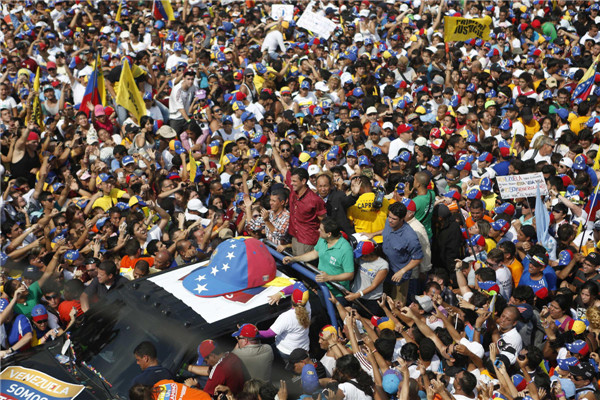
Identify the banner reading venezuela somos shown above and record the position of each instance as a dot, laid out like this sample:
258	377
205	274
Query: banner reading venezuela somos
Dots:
457	29
18	383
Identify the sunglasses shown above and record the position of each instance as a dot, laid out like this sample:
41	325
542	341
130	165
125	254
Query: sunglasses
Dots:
218	110
54	296
285	150
42	321
437	97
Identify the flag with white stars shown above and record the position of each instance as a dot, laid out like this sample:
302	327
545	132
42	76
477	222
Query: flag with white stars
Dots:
584	87
235	265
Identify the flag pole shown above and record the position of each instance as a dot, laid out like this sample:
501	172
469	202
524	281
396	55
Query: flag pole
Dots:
593	201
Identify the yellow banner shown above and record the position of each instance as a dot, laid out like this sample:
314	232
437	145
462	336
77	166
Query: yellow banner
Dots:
457	29
128	95
37	115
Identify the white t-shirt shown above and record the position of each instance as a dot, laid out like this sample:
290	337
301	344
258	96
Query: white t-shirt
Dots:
290	335
174	59
9	103
272	41
351	392
538	157
505	281
329	364
180	99
510	344
396	145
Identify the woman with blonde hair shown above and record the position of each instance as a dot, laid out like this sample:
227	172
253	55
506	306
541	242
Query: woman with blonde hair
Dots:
290	329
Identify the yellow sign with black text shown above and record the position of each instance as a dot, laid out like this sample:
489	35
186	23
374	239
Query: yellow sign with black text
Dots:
457	29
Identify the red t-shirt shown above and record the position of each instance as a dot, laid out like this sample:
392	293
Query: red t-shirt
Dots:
304	214
228	372
64	309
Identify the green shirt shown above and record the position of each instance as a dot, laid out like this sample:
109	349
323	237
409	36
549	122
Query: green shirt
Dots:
336	260
424	212
33	298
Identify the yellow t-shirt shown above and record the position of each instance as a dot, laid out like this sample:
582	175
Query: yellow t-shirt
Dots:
106	202
366	218
531	129
489	244
489	201
578	124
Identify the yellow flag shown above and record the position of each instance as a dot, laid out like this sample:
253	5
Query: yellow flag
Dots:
118	16
37	115
457	29
128	94
193	167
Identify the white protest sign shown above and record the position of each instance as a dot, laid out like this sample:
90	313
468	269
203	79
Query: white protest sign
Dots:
525	185
282	12
317	24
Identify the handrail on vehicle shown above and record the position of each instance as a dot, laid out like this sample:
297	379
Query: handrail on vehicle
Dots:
310	275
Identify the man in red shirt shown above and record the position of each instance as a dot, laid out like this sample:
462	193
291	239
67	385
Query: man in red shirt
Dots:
307	209
224	368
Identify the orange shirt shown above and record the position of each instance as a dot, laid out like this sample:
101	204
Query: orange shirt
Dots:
470	221
128	263
516	269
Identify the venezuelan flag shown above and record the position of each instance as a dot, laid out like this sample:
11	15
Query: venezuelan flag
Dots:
584	87
162	10
95	91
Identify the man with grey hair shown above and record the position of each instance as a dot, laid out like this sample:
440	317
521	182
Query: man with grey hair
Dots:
541	151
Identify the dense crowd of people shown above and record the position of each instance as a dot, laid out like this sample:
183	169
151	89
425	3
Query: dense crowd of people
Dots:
373	152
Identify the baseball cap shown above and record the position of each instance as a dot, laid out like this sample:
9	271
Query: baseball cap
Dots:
310	379
363	161
500	225
364	247
425	302
296	356
579	346
435	161
204	349
477	240
584	369
299	294
247	331
39	313
485	184
390	381
567	162
593	258
409	204
474	194
506	208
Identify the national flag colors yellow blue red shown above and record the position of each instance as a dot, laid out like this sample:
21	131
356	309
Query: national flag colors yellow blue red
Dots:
95	91
162	10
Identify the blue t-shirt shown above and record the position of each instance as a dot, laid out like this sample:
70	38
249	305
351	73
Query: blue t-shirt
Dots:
19	328
542	287
501	168
151	375
401	247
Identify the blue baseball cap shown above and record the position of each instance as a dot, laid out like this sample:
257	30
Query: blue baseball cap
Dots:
435	162
485	184
363	161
